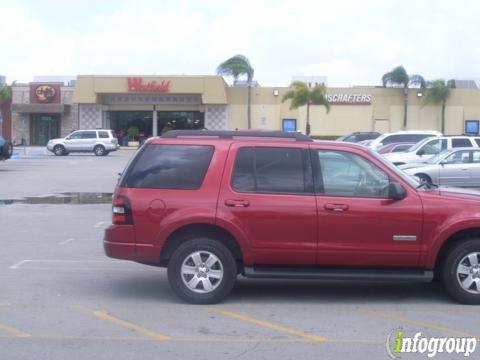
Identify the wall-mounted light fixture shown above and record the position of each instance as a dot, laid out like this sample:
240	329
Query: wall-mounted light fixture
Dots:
419	93
275	92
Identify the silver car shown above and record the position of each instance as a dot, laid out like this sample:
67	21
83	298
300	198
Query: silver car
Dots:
98	141
455	167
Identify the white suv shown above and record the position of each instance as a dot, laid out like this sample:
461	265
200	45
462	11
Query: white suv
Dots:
425	149
411	136
98	141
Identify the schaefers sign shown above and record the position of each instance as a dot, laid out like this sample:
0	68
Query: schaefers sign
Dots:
349	99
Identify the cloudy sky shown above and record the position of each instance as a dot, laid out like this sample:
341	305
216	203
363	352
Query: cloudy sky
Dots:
352	42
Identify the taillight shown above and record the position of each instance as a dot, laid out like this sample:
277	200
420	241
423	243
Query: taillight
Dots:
121	211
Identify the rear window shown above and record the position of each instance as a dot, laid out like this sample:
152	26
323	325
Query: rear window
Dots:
103	134
89	135
461	143
169	167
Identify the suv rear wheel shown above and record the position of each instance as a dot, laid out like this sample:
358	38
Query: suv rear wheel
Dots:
202	271
99	150
461	272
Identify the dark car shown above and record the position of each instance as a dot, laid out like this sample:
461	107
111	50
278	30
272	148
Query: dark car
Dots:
211	205
6	149
358	136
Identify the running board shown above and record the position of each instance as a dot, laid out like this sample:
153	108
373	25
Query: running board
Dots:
338	274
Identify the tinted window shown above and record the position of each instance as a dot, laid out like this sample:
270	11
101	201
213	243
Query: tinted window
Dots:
461	143
103	134
459	157
477	140
402	147
476	157
89	135
169	167
346	174
76	135
270	170
433	147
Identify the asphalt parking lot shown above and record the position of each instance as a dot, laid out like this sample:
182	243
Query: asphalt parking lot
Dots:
60	297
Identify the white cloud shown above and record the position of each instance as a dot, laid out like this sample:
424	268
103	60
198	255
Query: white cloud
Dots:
351	42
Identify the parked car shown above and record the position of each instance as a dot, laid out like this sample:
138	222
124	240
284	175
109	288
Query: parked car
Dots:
454	167
429	147
395	147
358	136
99	141
212	205
413	136
6	149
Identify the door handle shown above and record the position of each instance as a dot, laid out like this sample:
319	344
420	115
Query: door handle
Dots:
336	207
237	203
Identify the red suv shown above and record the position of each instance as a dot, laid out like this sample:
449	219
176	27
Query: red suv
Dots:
212	205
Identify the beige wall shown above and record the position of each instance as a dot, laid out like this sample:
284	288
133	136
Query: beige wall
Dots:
385	113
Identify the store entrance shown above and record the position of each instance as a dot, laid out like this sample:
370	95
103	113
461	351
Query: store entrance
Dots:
122	121
43	128
180	120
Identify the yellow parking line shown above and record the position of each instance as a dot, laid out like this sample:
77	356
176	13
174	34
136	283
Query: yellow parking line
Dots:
270	325
15	332
427	325
141	330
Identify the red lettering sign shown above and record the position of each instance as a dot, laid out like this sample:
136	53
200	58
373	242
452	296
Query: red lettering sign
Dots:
137	84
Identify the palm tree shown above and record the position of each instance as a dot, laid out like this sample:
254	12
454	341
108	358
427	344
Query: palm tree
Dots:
236	66
302	95
5	96
399	77
438	92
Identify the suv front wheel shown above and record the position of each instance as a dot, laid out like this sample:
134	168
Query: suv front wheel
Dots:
202	271
99	150
461	272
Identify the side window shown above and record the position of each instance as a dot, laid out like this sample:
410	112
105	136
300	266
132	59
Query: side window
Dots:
477	140
341	173
103	135
433	147
271	170
392	139
461	143
476	157
169	167
76	135
458	157
89	135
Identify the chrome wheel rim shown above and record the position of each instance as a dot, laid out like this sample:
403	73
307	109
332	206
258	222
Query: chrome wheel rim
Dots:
58	150
202	272
468	273
99	151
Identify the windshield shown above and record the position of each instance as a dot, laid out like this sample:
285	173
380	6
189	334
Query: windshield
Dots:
419	144
435	159
410	179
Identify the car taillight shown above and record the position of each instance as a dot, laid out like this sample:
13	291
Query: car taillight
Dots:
121	211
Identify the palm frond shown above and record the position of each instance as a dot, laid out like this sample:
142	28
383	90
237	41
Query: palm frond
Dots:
398	76
236	66
417	81
437	92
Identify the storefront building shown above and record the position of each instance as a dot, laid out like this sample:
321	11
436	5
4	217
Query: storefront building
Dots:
42	111
151	105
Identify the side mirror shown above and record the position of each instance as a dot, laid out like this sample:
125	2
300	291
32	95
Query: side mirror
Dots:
421	152
396	191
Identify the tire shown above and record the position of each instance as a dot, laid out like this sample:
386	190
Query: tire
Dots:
424	179
99	150
59	150
461	272
189	264
7	150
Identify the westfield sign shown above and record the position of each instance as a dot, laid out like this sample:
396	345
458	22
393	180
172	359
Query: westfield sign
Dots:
136	84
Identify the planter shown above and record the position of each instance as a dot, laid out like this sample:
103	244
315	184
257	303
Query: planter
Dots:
133	143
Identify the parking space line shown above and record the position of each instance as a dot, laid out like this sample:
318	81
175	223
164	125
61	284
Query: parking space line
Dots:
65	241
126	324
17	265
270	325
100	223
13	331
427	325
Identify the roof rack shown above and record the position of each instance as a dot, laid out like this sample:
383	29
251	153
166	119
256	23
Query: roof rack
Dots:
233	134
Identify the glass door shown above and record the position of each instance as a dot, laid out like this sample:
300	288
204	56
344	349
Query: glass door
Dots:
44	128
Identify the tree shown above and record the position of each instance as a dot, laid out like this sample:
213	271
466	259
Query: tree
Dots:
399	77
5	96
438	92
300	95
237	66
